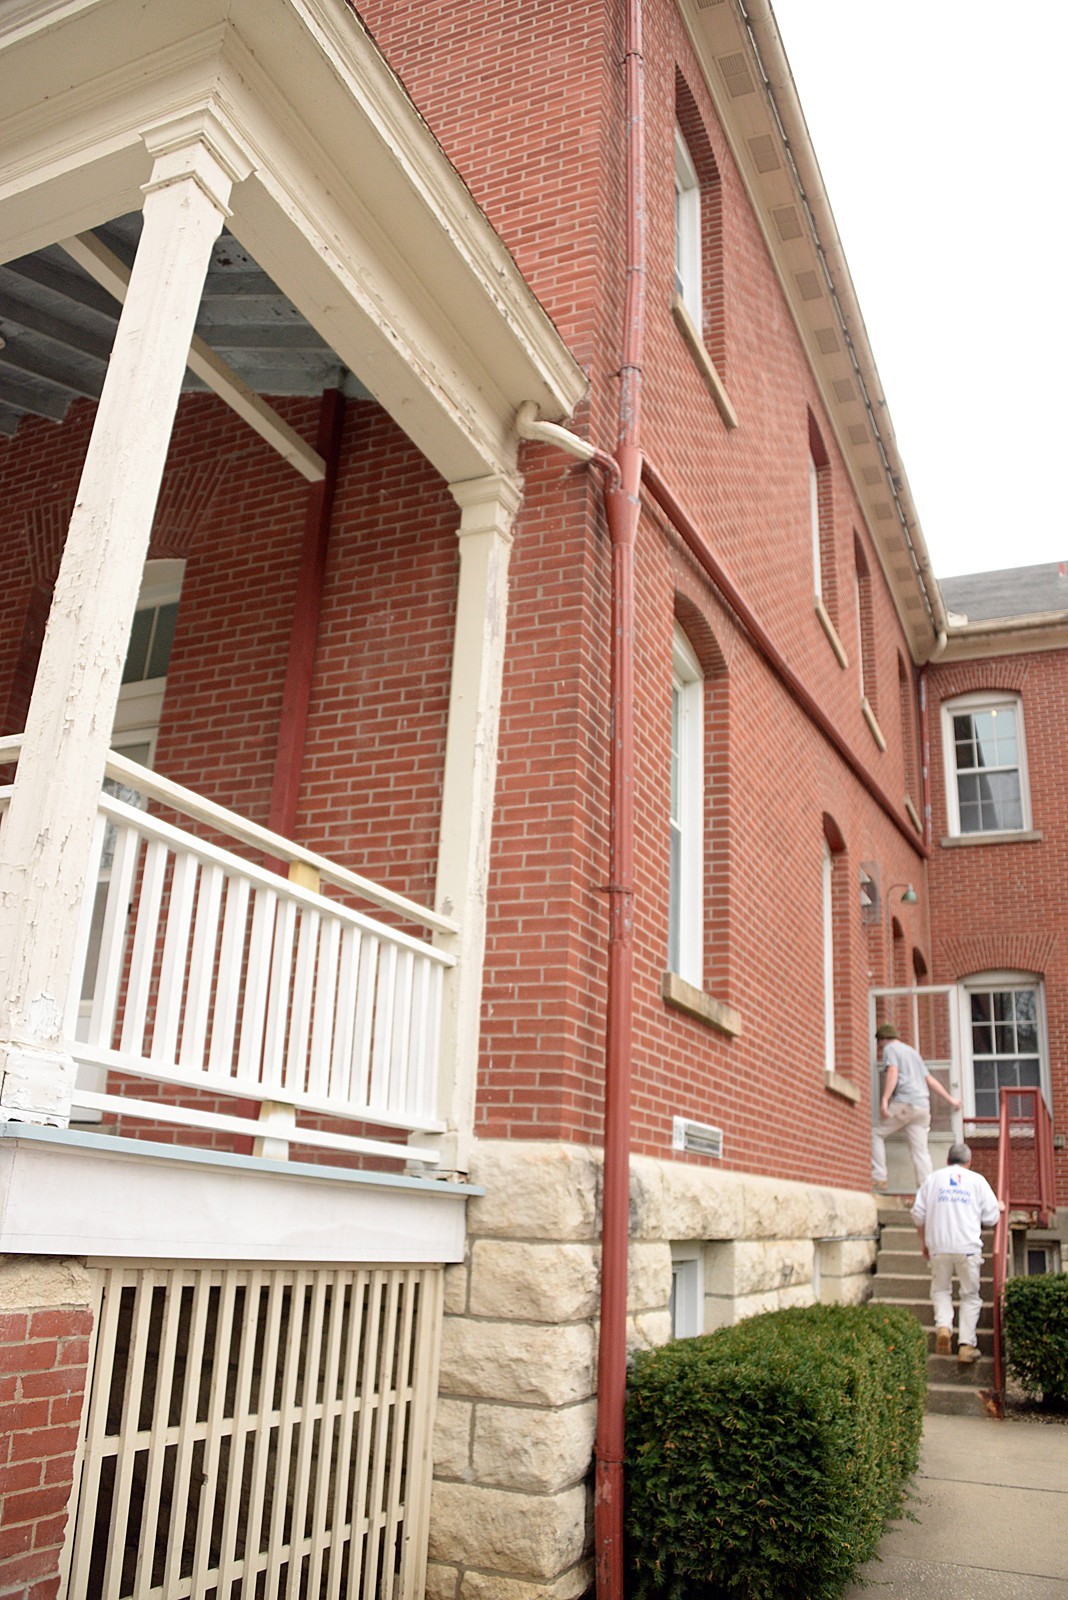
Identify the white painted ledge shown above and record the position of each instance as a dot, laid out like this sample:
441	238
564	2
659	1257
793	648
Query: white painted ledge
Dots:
1020	836
70	1193
836	1084
830	630
705	365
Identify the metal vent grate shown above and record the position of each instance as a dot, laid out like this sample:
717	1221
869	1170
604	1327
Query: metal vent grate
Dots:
698	1138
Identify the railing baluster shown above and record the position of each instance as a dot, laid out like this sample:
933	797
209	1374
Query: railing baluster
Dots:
357	1090
378	1088
280	990
257	979
296	1070
143	959
85	925
324	1033
175	954
231	969
201	968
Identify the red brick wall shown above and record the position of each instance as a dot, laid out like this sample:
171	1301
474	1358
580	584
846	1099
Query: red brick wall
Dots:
43	1355
1000	906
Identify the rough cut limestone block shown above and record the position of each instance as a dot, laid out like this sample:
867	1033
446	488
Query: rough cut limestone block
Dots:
455	1292
28	1283
751	1266
540	1452
570	1586
648	1277
842	1258
452	1439
534	1364
673	1201
648	1331
442	1583
533	1282
534	1191
534	1537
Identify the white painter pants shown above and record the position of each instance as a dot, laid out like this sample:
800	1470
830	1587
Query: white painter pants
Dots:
967	1269
915	1123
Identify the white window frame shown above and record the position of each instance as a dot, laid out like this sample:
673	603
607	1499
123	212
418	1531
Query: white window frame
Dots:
827	872
687	1303
688	232
1000	980
995	701
686	820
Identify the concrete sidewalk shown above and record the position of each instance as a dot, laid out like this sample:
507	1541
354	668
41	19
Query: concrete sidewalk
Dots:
991	1506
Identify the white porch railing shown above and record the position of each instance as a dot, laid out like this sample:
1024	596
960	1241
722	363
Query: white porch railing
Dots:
196	969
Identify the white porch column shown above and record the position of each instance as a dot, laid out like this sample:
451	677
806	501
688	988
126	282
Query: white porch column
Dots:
46	836
488	507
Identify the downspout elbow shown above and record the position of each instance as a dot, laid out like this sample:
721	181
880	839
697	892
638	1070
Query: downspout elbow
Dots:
529	425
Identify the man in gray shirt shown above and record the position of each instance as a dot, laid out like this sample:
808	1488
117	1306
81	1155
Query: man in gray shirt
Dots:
904	1105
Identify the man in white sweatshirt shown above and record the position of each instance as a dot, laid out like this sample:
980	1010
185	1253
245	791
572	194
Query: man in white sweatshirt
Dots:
952	1205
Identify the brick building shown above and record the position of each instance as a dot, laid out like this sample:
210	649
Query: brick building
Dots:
520	659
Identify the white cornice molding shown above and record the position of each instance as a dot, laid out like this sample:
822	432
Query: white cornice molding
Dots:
1006	636
765	129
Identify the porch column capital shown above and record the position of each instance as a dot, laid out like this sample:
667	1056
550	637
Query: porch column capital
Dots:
489	504
200	145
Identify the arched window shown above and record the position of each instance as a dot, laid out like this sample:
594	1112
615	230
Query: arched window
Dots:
686	848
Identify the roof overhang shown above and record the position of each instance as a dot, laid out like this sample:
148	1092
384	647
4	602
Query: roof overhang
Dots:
352	208
1006	636
749	79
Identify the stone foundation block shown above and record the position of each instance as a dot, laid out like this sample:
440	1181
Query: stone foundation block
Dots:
538	1452
534	1537
648	1276
533	1282
534	1191
537	1364
442	1583
571	1586
648	1331
32	1282
452	1439
455	1289
753	1266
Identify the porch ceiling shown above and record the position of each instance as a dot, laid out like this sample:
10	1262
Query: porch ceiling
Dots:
57	327
373	246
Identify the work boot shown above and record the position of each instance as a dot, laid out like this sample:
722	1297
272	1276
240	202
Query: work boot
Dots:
942	1341
966	1354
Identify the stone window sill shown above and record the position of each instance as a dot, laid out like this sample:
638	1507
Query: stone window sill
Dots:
834	1083
705	365
1021	836
713	1013
873	723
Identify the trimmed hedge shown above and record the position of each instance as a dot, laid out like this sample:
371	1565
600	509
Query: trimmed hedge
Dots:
764	1460
1036	1335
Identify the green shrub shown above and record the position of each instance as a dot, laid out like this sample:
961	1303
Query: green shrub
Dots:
763	1460
1036	1335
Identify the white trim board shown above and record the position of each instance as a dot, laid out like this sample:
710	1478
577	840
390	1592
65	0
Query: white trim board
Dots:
70	1193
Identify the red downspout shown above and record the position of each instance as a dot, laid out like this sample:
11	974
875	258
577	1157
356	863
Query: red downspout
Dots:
925	759
622	507
296	693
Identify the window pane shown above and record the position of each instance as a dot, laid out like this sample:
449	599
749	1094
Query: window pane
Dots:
983	726
1030	1076
674	918
137	653
986	1104
1004	1038
986	1075
160	654
1026	1005
982	1039
980	1006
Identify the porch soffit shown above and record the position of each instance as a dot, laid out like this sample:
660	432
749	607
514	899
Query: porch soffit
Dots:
352	210
808	265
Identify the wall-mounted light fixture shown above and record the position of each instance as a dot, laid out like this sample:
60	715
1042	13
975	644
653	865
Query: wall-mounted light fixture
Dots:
909	898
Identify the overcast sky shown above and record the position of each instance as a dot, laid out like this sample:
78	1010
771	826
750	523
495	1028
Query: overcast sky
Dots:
939	129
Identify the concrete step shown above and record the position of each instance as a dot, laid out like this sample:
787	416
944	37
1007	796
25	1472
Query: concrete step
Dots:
955	1400
914	1285
984	1339
923	1311
947	1369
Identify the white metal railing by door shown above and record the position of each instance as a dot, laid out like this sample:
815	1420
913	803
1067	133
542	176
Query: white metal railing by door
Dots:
199	969
256	1432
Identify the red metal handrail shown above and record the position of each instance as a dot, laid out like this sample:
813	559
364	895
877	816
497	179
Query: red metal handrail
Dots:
1016	1196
